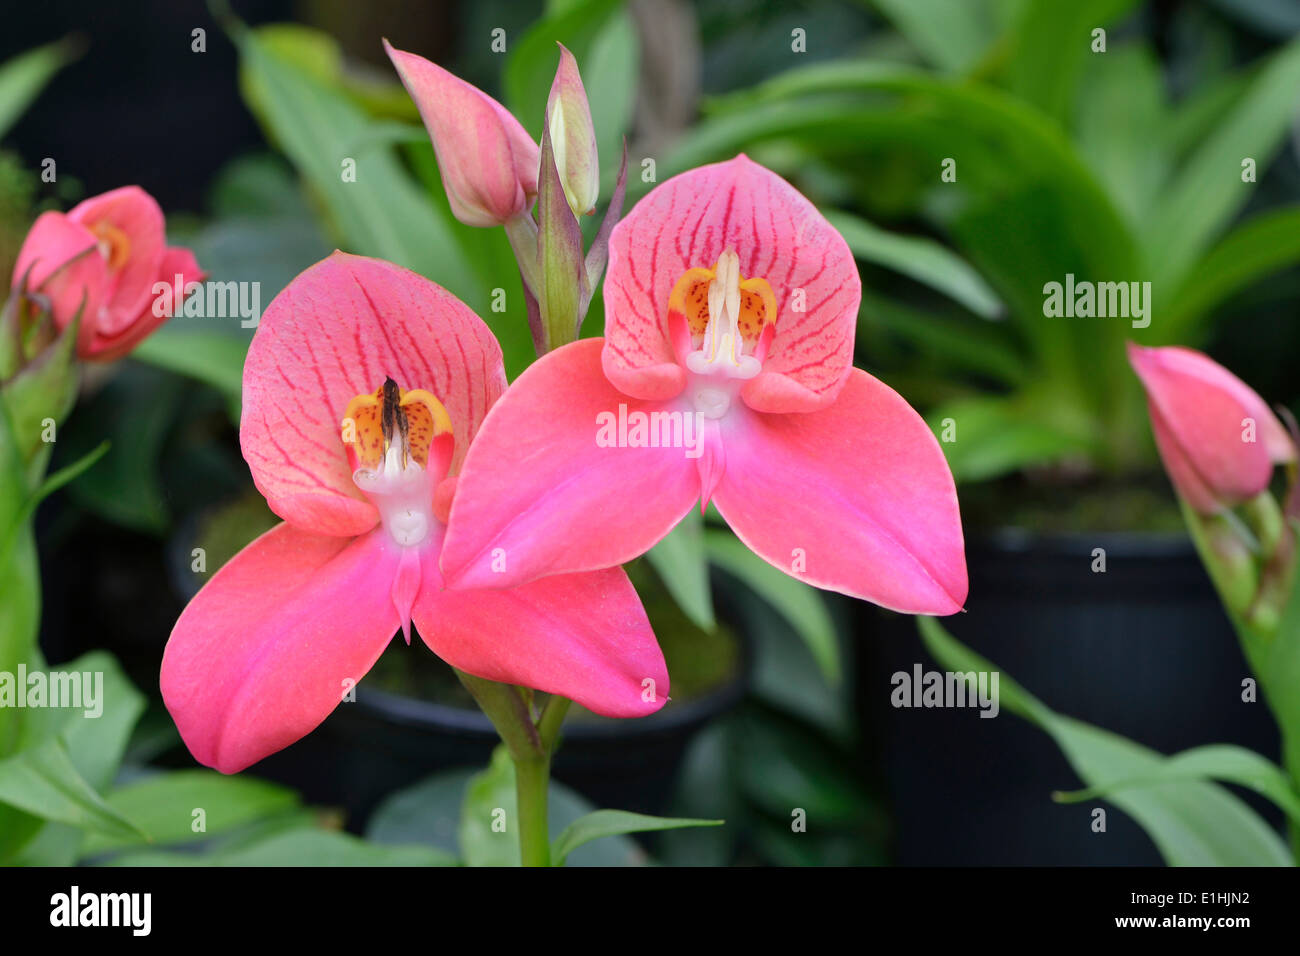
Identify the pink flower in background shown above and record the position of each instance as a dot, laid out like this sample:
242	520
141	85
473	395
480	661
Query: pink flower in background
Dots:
108	252
363	387
730	310
488	162
1218	439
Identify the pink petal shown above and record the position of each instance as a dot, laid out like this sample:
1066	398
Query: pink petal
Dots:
137	215
1199	411
335	332
858	495
177	261
540	494
488	162
272	643
687	222
66	267
583	636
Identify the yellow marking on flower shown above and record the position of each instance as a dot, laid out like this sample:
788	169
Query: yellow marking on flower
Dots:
702	296
114	244
418	416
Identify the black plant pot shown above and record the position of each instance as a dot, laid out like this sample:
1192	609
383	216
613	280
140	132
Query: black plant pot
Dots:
1143	650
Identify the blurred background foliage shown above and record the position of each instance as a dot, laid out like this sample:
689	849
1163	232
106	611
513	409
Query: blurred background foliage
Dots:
1115	166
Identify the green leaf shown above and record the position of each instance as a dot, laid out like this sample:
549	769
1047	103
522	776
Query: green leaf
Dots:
996	436
162	806
489	797
383	213
301	847
1224	762
797	602
1050	46
954	342
1264	244
609	75
682	565
952	36
20	586
531	64
43	782
1208	190
924	260
1192	823
24	76
604	823
214	358
1125	102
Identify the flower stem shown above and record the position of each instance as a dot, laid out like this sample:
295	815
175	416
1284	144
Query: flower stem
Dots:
530	744
532	780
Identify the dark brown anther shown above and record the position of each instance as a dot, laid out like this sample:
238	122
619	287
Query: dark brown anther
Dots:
394	418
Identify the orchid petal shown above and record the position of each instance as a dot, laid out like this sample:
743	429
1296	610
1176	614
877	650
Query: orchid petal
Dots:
688	222
538	495
60	261
582	636
335	332
137	217
855	498
272	643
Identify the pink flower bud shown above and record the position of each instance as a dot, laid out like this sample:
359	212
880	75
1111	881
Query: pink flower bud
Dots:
488	163
103	258
1217	437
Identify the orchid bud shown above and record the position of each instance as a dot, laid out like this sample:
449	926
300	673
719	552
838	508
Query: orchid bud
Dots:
1216	436
102	260
573	136
488	162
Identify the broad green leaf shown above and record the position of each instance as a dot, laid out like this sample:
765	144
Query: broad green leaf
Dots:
43	782
164	806
952	36
953	342
990	436
1224	762
24	76
609	75
924	260
383	213
1049	47
1125	102
1262	245
214	358
682	565
1192	823
604	823
797	602
1208	191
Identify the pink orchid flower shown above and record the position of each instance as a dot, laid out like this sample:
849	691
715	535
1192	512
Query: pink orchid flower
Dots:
108	251
1218	439
730	310
363	388
488	161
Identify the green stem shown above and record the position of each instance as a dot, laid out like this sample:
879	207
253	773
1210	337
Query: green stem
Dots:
532	780
530	744
522	233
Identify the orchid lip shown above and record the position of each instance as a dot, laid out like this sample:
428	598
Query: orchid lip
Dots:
402	493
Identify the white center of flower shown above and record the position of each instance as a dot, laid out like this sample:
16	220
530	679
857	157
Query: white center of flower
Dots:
402	493
722	351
